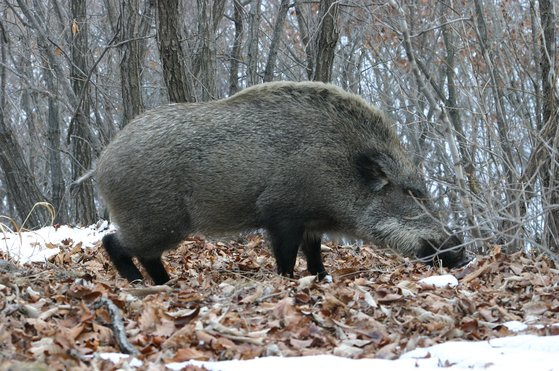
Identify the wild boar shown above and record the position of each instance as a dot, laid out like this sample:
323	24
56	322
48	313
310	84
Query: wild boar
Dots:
296	159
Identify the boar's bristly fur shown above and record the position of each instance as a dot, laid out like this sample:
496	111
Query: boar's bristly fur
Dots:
296	159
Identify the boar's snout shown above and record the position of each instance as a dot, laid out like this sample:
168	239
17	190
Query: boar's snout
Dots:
450	252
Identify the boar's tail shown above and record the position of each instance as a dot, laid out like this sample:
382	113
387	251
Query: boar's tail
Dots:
75	185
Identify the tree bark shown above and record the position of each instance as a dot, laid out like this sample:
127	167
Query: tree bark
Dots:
252	65
20	183
131	62
274	44
31	122
171	53
550	121
307	44
209	15
55	160
81	148
238	10
326	40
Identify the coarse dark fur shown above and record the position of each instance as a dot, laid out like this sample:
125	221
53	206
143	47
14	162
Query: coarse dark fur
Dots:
297	159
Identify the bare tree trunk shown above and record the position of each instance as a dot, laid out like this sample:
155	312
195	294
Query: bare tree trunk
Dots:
537	62
238	11
55	160
496	85
209	15
31	120
57	186
550	121
351	67
453	109
20	183
274	45
36	20
81	147
304	31
327	39
131	61
171	53
42	32
254	26
441	111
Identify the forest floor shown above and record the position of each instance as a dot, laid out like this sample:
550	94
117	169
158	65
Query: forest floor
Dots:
226	302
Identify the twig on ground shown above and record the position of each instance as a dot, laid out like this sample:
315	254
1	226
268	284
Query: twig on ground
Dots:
117	325
216	328
140	292
478	272
78	355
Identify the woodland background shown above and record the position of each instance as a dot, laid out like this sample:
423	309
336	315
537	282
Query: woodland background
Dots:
470	85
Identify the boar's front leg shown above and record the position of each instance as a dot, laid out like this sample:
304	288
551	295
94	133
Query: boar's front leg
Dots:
155	269
125	266
286	237
121	260
311	249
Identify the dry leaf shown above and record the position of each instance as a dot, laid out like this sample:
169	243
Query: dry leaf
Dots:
186	354
75	27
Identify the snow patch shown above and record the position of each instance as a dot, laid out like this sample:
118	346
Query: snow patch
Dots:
442	281
320	362
510	353
117	357
39	245
515	326
516	352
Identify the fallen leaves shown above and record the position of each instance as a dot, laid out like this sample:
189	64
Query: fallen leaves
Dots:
227	302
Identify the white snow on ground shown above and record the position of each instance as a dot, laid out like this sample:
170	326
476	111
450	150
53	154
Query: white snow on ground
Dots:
117	357
516	326
39	245
445	280
510	353
515	352
523	352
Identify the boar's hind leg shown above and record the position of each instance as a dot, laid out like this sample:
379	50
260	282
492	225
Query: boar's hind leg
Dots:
121	260
155	269
311	249
286	238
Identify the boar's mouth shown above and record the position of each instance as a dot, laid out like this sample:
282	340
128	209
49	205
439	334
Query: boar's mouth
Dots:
450	252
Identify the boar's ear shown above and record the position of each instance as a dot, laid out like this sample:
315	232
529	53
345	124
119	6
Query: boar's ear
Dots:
369	165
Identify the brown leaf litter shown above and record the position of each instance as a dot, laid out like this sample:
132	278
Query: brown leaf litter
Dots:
227	302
